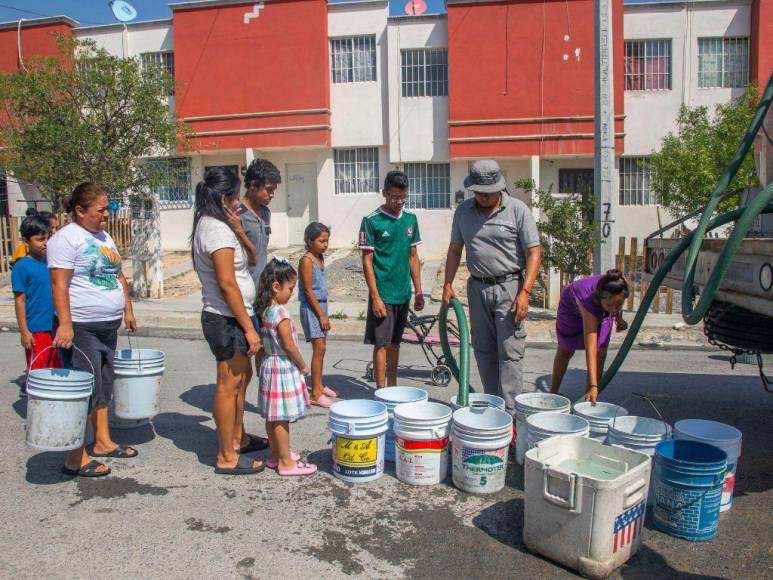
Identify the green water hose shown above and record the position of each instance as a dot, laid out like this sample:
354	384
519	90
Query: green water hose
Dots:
461	371
743	218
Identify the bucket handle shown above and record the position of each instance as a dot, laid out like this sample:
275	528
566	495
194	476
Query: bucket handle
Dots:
634	493
49	347
646	398
568	502
139	352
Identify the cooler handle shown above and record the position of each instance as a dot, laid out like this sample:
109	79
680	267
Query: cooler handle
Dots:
568	502
634	493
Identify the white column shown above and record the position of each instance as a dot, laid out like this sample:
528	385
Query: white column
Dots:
534	168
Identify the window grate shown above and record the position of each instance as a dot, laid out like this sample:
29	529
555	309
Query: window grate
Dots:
648	65
353	60
356	170
163	59
424	72
635	182
429	185
575	181
174	180
723	62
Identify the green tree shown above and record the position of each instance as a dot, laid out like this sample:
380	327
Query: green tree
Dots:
689	164
87	115
566	233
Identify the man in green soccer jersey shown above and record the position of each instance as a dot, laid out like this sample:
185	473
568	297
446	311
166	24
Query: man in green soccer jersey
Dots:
388	240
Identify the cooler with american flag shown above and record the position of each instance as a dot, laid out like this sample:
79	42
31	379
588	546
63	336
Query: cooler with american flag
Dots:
585	503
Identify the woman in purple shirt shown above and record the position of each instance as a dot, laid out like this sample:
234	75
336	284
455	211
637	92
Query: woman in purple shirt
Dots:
584	322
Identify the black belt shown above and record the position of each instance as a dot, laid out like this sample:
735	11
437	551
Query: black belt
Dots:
497	279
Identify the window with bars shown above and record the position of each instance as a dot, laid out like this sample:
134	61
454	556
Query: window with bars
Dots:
723	62
429	185
648	65
424	72
356	170
353	60
163	59
174	180
635	182
575	181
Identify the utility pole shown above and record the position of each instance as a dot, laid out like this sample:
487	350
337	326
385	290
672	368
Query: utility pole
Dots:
604	152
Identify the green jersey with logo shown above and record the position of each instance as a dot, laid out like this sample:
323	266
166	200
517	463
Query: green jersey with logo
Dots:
390	239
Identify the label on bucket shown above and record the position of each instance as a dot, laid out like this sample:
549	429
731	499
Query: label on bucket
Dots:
728	487
688	512
479	470
358	458
421	462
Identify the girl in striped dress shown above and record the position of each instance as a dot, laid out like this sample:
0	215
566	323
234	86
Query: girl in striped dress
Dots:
282	393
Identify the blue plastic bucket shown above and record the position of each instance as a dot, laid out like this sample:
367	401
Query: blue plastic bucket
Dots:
359	428
687	478
391	397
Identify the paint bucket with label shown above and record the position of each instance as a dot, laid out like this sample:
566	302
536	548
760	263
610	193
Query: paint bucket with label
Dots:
480	401
529	403
599	415
359	431
726	437
687	478
421	441
480	439
391	397
138	375
57	407
541	426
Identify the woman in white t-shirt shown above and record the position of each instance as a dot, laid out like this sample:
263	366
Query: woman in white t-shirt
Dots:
221	255
91	298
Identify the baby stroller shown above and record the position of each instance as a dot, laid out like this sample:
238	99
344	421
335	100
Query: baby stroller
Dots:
418	331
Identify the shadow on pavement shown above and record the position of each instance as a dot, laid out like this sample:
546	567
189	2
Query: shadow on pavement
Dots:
20	406
203	396
348	387
648	564
503	521
45	468
188	434
136	436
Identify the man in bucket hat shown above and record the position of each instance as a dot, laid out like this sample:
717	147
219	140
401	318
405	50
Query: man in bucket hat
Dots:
500	237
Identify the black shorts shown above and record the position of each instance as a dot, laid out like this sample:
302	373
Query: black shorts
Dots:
224	335
97	341
389	330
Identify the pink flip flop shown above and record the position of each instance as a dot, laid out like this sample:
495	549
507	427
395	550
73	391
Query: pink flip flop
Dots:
329	392
323	402
300	468
273	465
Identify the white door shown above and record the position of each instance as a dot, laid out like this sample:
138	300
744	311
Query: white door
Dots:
301	199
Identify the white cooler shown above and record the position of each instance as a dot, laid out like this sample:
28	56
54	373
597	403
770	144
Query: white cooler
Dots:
585	503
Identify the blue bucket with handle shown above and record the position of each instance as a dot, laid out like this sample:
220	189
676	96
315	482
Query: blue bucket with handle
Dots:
687	480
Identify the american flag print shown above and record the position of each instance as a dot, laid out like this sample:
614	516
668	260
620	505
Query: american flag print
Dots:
627	526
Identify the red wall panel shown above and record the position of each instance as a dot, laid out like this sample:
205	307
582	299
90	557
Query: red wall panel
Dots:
35	41
277	62
526	59
761	41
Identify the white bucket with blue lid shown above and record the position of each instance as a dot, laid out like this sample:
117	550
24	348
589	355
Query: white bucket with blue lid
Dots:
391	397
358	430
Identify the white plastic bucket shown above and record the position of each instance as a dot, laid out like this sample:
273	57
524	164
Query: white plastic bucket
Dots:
359	429
480	439
638	433
480	401
391	397
599	416
529	403
421	441
541	426
721	435
138	374
57	408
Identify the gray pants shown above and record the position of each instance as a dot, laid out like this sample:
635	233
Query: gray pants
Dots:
499	342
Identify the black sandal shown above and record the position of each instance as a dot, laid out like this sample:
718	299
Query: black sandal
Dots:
243	467
256	444
88	470
119	452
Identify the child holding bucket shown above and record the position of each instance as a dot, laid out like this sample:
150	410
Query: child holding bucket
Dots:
282	393
312	293
584	322
34	303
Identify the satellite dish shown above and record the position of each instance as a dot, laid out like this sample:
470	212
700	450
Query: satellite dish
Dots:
123	11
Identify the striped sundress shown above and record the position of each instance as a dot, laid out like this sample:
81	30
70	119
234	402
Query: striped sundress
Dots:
282	392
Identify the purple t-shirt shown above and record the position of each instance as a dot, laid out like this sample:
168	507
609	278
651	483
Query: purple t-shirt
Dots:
569	318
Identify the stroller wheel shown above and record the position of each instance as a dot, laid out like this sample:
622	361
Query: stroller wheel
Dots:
441	375
369	372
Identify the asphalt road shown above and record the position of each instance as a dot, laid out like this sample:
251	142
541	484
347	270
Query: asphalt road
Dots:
166	514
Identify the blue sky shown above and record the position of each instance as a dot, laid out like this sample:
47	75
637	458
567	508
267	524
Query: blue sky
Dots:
97	11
